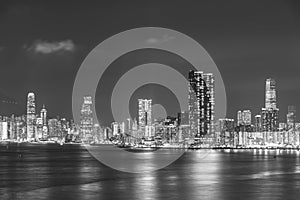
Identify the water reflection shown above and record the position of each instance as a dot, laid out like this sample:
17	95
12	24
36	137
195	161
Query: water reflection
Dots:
70	172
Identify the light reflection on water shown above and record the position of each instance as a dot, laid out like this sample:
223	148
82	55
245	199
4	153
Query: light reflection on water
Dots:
69	172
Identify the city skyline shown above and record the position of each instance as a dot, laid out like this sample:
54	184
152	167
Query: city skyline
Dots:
245	57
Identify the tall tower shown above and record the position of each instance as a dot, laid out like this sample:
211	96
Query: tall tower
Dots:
257	123
270	101
30	116
291	118
145	116
201	103
210	114
270	114
86	119
43	115
244	117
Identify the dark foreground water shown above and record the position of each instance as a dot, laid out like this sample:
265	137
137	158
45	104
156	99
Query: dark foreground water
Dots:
70	172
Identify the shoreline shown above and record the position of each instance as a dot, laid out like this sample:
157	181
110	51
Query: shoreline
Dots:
3	143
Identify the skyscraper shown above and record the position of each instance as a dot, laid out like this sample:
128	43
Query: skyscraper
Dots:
86	119
30	116
145	116
269	114
43	115
240	118
226	132
244	117
257	123
210	84
269	120
291	118
270	102
3	130
201	103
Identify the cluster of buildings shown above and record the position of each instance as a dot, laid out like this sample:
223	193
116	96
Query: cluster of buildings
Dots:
264	130
35	125
196	126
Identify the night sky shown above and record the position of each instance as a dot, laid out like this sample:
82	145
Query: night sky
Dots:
43	43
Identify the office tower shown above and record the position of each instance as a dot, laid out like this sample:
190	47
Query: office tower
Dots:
210	84
257	123
43	115
270	101
247	117
12	128
145	117
183	118
291	118
240	118
134	125
65	125
128	126
269	120
226	132
98	132
201	103
53	129
244	117
30	116
270	114
115	128
122	127
183	122
86	120
3	130
39	127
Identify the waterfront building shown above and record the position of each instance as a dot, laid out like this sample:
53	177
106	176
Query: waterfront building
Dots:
270	94
115	128
30	122
226	136
3	130
291	118
270	113
183	123
86	120
244	117
145	117
39	128
53	129
257	123
201	104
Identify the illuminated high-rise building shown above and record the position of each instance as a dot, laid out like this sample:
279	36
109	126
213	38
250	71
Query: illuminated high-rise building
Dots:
86	119
210	84
201	103
145	116
269	120
39	128
257	123
3	130
244	117
54	132
270	101
270	114
291	118
43	115
226	132
240	118
115	128
30	121
128	125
